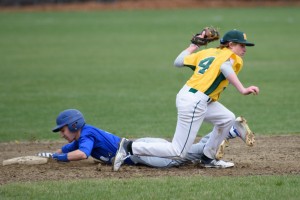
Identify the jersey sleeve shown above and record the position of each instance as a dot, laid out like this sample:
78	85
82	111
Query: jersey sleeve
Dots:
226	68
191	60
237	64
86	144
180	58
70	147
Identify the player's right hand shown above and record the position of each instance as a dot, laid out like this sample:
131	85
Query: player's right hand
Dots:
251	90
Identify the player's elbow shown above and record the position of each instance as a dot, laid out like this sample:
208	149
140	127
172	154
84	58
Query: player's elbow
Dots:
81	155
178	63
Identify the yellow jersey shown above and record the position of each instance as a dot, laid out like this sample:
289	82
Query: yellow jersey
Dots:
207	76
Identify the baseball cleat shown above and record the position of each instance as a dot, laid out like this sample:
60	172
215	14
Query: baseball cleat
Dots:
244	131
121	155
217	164
221	150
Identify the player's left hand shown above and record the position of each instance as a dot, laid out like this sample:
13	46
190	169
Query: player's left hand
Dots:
207	35
63	157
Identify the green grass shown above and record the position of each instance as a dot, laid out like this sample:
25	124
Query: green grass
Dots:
253	187
117	68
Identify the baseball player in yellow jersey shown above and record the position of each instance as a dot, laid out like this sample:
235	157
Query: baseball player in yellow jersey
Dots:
214	69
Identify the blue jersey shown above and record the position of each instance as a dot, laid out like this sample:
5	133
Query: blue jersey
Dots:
97	143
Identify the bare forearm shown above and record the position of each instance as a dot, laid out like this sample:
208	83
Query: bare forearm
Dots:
76	155
192	48
58	151
233	79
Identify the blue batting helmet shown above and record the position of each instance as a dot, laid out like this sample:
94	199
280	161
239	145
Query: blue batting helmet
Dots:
71	117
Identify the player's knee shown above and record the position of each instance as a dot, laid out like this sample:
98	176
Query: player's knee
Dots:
183	154
232	117
179	152
228	121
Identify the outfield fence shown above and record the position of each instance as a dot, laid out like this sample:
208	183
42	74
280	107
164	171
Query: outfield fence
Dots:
43	2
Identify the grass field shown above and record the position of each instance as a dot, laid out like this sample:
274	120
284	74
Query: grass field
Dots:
117	68
252	188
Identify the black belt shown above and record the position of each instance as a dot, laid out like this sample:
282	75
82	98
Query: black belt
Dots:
193	90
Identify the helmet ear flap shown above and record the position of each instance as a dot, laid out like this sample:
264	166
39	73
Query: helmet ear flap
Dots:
73	126
77	124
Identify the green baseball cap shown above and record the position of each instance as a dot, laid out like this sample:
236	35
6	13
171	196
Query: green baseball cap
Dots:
237	37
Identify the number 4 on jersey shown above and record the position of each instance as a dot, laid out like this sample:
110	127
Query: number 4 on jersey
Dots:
204	64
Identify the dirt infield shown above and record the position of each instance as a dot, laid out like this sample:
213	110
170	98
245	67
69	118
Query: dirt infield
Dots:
275	155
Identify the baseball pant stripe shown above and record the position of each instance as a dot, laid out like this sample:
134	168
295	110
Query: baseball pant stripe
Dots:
191	124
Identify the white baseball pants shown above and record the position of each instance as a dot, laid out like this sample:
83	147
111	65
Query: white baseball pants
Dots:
193	107
194	153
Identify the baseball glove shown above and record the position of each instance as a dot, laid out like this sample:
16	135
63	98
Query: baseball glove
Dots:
207	35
